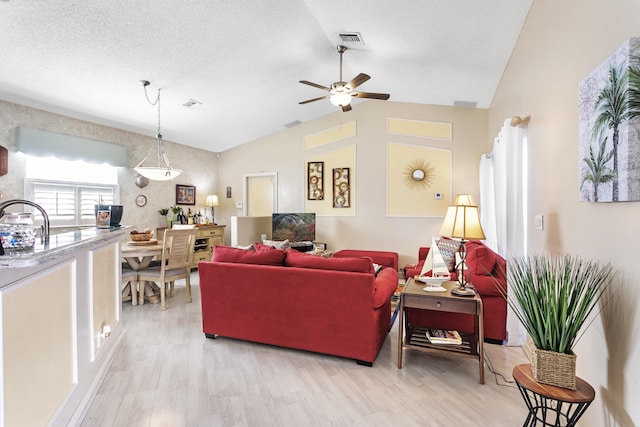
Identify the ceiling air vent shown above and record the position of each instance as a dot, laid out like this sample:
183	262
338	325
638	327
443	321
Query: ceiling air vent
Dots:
351	38
192	103
293	124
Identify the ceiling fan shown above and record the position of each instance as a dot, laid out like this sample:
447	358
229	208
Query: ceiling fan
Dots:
340	92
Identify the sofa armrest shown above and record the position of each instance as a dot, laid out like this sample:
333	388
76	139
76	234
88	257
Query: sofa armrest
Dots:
384	286
423	252
385	258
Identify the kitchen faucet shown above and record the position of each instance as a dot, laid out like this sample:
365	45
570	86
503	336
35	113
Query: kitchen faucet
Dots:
45	234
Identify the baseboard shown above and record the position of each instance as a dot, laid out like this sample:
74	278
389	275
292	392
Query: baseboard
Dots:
81	411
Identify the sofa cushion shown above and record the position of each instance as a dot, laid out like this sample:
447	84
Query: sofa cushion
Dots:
303	260
480	259
278	244
448	249
242	256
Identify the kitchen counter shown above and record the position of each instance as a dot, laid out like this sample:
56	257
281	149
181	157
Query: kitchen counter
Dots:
60	246
61	307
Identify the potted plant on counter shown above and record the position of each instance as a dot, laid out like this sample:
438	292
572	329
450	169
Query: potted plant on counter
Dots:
553	295
164	212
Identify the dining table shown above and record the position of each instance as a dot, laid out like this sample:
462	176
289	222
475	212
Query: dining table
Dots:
139	256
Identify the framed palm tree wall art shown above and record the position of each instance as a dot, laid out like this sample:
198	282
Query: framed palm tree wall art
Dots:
609	128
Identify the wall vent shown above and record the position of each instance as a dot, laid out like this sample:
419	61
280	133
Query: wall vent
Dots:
350	38
192	103
465	104
293	124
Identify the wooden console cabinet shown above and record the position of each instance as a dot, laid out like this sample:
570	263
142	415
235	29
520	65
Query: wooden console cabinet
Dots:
207	237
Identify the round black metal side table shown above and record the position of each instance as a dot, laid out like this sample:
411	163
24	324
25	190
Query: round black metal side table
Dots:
550	405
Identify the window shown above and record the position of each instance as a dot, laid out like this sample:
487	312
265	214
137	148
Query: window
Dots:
69	190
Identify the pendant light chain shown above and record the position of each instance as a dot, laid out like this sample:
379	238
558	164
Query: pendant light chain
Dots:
159	173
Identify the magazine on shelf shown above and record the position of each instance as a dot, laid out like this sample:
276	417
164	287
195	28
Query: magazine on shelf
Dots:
443	336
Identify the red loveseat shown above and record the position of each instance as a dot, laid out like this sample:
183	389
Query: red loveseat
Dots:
488	275
336	306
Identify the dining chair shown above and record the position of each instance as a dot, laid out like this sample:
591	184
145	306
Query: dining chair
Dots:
177	253
129	280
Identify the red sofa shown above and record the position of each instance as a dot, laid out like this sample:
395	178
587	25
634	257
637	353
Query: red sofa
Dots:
488	275
336	306
387	259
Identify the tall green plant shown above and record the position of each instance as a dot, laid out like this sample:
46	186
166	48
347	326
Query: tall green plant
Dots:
553	295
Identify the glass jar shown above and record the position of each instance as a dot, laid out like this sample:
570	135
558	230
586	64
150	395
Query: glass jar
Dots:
17	231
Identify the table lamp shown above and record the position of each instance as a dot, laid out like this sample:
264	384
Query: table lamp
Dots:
463	222
212	200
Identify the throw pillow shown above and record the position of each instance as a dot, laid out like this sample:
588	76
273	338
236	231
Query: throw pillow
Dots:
480	259
241	256
448	249
246	248
303	260
278	244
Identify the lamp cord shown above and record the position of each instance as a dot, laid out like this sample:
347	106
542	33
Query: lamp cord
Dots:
507	383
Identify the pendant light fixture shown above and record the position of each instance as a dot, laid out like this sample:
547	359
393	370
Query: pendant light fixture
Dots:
163	171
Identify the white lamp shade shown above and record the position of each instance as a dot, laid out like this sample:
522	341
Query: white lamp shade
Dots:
464	200
212	200
157	173
462	222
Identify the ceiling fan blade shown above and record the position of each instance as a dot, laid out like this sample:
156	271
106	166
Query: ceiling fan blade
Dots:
305	82
314	99
371	95
346	107
358	80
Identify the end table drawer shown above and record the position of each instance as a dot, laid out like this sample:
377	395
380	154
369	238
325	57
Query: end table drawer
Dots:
444	304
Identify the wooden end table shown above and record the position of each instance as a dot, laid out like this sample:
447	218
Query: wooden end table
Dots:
552	406
413	296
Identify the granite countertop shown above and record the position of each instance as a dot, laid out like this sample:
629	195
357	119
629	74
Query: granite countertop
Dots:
60	245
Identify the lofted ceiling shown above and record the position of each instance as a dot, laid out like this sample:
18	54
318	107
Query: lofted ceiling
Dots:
243	59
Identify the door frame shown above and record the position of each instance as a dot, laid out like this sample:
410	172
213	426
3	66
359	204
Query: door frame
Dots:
245	189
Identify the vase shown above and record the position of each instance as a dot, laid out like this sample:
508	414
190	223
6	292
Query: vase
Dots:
552	368
169	220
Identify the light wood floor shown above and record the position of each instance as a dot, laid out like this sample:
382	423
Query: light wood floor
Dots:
167	373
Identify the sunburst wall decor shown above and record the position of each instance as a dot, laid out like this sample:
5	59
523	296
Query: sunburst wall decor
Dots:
415	175
419	174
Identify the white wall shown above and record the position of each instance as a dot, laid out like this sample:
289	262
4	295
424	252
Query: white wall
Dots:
561	42
370	228
200	167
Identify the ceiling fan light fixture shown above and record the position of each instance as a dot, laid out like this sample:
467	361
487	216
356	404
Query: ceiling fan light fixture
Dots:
340	92
340	99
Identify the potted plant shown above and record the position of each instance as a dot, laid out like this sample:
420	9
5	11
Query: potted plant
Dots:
553	295
165	212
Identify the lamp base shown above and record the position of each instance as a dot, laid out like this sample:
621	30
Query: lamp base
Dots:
467	291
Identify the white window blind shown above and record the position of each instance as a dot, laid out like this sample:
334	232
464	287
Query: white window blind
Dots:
69	190
69	204
41	143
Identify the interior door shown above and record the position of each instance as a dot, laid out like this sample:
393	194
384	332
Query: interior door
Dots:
260	194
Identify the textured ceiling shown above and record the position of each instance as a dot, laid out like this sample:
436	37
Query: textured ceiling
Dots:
243	59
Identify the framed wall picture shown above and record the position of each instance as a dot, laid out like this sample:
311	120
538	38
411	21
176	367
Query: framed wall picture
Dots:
341	188
315	181
185	194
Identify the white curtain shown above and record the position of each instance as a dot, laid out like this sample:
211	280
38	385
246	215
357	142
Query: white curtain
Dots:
503	196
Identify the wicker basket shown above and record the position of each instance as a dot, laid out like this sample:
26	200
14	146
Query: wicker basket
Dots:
141	237
558	369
